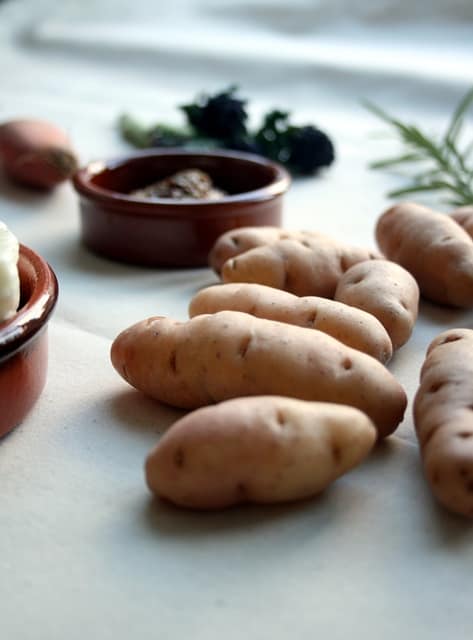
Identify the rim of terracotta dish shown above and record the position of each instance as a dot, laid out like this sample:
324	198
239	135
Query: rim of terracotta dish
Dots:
33	314
82	180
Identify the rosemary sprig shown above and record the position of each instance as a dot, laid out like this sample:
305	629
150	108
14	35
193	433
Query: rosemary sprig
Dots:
445	162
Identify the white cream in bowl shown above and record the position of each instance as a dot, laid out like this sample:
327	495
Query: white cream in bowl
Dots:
9	277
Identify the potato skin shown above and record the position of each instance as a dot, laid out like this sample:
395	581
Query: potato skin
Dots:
36	153
385	290
229	354
443	419
433	248
464	217
236	241
310	265
353	327
261	449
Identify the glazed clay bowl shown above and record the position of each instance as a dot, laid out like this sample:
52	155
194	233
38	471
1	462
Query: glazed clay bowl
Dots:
23	341
167	232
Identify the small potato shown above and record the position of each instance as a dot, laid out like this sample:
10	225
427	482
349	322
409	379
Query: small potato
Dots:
36	153
433	248
262	449
464	217
229	354
443	419
353	327
310	265
236	241
385	290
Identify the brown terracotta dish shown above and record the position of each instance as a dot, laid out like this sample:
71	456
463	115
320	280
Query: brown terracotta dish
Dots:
174	232
23	341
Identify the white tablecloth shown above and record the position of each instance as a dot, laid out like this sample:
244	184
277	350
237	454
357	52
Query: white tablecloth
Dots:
84	552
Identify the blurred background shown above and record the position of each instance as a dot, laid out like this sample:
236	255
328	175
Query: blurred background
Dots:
316	57
83	64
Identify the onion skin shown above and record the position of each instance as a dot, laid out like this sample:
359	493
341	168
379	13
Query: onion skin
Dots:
36	153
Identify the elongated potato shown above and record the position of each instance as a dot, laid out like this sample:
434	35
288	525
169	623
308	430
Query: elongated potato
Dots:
263	449
231	354
353	327
385	290
433	248
310	266
464	217
236	241
443	417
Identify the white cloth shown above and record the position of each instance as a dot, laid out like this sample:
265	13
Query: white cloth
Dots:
83	550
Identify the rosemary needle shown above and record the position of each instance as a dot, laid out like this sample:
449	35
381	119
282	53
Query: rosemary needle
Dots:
444	162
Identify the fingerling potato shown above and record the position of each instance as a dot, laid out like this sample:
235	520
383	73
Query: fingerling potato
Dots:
260	449
236	241
433	248
443	418
309	266
385	290
354	327
216	357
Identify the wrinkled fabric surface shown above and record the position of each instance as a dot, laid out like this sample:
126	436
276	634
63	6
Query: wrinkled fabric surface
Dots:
84	551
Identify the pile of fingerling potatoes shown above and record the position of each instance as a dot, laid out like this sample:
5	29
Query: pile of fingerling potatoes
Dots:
283	366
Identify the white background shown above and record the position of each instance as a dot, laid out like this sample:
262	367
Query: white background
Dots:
84	552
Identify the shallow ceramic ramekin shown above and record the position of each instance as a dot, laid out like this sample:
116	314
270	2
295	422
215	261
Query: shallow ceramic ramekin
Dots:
23	341
169	232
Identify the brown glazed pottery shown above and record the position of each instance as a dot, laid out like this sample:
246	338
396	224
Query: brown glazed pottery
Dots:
23	341
170	232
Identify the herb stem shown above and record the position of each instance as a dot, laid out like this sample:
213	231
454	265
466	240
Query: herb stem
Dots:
449	169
